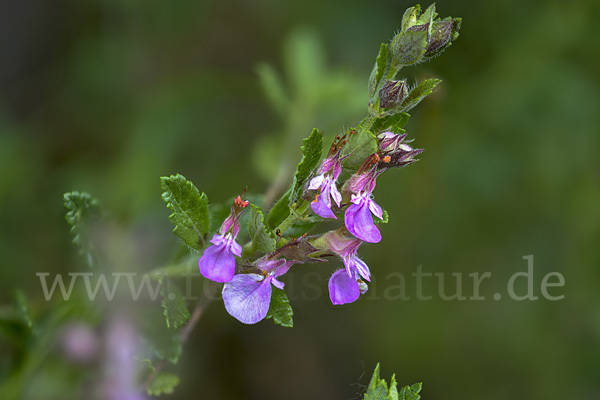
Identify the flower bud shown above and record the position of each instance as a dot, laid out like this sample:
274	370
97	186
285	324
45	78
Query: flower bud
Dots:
392	94
409	47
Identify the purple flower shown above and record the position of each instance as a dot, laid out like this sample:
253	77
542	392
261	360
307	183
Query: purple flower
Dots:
358	218
345	285
247	297
325	181
218	261
396	151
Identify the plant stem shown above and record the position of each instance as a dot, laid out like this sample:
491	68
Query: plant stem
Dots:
295	214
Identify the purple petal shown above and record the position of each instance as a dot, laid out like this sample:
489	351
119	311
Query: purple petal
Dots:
247	297
335	194
278	284
359	265
315	183
322	206
375	209
217	263
360	223
343	289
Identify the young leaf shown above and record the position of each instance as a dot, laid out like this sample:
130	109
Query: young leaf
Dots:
280	309
163	383
385	220
190	210
378	388
378	69
311	155
392	123
259	234
174	307
422	90
280	211
411	392
82	210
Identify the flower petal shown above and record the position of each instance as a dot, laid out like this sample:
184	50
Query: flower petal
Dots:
375	209
343	289
217	264
360	223
247	297
321	207
315	183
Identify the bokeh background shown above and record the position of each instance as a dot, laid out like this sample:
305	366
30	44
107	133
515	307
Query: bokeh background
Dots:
107	96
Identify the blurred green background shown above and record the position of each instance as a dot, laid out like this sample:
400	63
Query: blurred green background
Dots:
107	96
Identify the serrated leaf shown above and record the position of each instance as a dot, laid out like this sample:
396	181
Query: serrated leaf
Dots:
82	210
280	211
421	91
385	220
378	69
280	309
411	392
259	233
360	145
190	210
378	389
392	123
174	306
163	383
160	341
311	155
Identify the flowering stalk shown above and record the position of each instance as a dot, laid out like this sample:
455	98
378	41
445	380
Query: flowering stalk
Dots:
341	184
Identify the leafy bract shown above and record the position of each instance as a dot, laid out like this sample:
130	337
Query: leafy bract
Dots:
190	210
174	306
280	309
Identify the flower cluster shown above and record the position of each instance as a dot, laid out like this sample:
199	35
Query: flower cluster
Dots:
248	289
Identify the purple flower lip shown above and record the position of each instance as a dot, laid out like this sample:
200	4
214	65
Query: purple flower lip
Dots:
247	297
218	261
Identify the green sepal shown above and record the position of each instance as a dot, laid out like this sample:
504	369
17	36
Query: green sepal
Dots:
190	210
280	309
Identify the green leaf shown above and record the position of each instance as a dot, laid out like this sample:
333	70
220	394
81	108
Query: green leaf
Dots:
23	308
82	211
163	383
410	17
378	69
174	306
385	220
190	210
421	91
280	309
428	15
273	87
378	389
311	155
261	237
393	123
280	211
360	145
411	392
160	341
